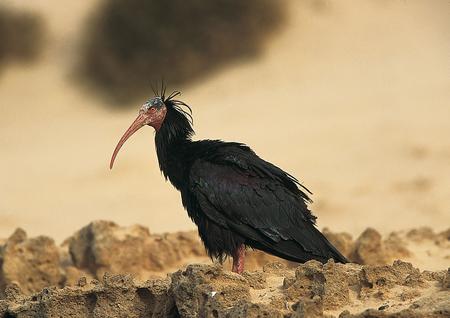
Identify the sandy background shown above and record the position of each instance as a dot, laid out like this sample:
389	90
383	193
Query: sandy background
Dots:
352	97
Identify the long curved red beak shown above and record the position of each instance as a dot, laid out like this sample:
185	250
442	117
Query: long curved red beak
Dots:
135	126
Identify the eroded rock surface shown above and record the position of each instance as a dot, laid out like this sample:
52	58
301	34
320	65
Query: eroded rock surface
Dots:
206	291
313	290
32	264
104	246
78	278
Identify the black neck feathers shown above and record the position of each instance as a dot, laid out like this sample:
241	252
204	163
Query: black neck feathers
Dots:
172	141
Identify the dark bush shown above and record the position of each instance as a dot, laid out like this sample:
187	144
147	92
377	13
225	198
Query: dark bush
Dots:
21	36
130	44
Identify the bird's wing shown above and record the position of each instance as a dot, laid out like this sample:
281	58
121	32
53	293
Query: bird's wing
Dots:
237	189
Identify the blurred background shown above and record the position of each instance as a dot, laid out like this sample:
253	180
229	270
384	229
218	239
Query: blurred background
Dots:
351	97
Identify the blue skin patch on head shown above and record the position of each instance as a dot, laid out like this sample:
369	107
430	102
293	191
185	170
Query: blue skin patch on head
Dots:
153	102
156	102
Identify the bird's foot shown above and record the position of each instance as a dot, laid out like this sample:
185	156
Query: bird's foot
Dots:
238	259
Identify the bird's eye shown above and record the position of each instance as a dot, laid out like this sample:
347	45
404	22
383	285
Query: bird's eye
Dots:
152	109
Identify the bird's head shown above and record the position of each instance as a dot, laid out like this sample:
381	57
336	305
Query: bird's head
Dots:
153	113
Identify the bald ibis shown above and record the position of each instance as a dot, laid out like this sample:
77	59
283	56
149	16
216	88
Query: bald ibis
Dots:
236	199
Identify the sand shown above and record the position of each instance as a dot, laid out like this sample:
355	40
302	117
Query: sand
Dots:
350	97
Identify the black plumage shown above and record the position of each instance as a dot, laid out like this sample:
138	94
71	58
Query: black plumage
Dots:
236	198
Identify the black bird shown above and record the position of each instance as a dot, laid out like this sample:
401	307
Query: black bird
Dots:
237	199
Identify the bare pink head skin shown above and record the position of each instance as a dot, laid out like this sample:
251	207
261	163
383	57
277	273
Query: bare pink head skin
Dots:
152	113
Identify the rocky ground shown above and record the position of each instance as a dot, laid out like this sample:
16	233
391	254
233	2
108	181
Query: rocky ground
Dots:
105	270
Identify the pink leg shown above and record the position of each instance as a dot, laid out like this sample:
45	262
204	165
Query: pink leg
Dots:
238	259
